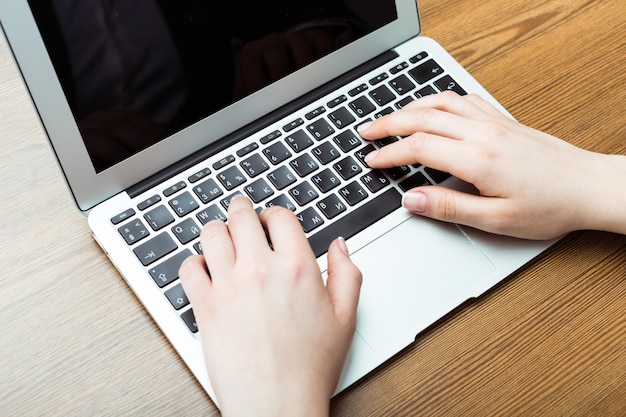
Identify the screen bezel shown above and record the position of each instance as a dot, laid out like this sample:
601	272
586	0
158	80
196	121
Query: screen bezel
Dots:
89	187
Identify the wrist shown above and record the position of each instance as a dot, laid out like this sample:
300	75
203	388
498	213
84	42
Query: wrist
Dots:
606	194
288	401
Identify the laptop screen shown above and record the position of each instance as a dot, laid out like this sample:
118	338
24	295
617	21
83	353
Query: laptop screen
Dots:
135	72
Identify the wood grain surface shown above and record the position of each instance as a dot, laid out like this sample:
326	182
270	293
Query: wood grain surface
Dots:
549	341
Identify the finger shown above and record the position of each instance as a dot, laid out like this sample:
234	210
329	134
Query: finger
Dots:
427	119
343	283
245	228
218	249
285	232
434	151
440	203
484	105
470	106
196	282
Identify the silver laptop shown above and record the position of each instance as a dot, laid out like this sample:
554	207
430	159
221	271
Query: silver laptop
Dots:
160	111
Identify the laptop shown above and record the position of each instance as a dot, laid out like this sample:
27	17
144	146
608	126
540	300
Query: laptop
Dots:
159	112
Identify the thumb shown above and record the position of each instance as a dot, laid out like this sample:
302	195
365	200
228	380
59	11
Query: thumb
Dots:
453	206
344	282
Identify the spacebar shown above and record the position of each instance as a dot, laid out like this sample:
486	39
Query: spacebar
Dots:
354	222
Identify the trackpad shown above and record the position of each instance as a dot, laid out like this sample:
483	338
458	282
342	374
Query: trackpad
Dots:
412	276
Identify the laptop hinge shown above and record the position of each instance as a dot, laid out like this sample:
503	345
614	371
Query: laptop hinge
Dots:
259	124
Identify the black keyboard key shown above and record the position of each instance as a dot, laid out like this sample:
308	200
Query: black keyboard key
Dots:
283	201
400	67
276	153
186	231
426	91
167	272
341	117
212	212
383	112
362	153
379	78
281	177
231	178
382	95
254	165
387	141
398	172
357	220
337	101
223	162
299	140
304	165
401	84
347	168
331	206
303	193
347	140
174	189
325	153
199	175
155	249
247	149
426	71
362	106
208	190
436	175
447	83
184	204
416	180
133	231
292	125
149	202
259	190
325	180
353	193
314	113
375	180
320	129
126	214
402	103
416	58
310	219
177	297
357	90
159	217
190	320
270	137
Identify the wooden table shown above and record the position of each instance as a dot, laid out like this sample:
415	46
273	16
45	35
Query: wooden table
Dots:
551	340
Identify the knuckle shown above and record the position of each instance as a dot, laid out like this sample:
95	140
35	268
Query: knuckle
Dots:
277	212
447	208
212	229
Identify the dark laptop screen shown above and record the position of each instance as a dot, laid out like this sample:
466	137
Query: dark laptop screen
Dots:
135	72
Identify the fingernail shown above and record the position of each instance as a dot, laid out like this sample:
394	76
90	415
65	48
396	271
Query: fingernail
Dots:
342	245
371	156
415	202
363	126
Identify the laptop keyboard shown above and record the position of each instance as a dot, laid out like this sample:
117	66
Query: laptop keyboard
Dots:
313	165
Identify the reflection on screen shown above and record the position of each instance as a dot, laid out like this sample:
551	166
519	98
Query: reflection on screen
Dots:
135	72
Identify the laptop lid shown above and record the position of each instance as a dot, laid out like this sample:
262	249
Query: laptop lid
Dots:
56	60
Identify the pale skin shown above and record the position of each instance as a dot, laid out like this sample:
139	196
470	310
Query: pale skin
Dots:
275	337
